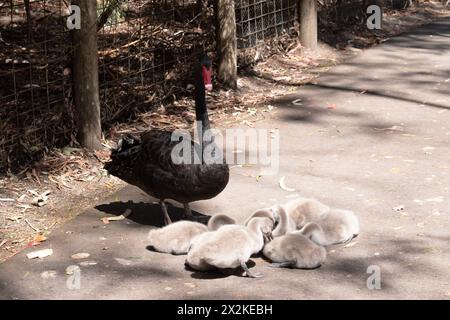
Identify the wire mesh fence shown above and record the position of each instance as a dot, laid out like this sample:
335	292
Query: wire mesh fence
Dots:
35	111
259	20
146	48
145	55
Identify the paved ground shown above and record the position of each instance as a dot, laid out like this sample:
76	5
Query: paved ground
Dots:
371	135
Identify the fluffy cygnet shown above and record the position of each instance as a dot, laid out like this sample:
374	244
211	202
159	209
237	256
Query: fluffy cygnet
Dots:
176	238
299	211
294	250
219	220
261	213
229	247
337	226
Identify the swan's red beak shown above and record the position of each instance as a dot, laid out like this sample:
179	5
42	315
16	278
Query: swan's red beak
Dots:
207	76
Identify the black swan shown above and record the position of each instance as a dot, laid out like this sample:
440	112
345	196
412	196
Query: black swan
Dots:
146	162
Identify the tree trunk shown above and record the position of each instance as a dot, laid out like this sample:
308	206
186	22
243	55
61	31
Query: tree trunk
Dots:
29	22
308	23
226	43
85	77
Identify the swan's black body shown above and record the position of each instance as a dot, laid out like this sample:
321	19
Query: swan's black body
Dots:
146	162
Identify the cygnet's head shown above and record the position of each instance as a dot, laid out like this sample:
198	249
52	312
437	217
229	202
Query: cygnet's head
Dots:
261	213
275	211
265	224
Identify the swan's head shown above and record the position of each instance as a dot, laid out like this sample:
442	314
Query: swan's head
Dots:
265	226
206	65
261	213
266	229
275	211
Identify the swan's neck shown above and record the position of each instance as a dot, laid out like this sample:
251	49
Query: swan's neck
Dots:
256	233
310	229
283	223
201	112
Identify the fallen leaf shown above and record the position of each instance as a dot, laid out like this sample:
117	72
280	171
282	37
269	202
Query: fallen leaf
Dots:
106	220
393	128
437	199
40	254
331	106
124	262
71	269
189	284
80	255
48	274
42	199
297	102
248	123
351	244
15	218
37	240
283	185
394	170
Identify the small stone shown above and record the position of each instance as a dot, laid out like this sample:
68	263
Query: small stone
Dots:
48	274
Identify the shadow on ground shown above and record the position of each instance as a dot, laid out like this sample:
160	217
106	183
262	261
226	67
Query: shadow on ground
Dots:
148	213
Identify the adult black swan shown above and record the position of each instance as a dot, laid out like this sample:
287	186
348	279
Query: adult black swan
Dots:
147	163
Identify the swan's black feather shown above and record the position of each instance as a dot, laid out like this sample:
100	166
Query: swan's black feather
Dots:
149	166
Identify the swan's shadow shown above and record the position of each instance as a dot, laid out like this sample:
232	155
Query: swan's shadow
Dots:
149	213
218	273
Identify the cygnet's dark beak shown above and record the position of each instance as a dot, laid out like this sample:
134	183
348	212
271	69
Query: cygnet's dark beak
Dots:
268	237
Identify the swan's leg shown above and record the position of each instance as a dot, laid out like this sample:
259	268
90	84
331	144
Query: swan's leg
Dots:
167	219
248	273
187	210
288	264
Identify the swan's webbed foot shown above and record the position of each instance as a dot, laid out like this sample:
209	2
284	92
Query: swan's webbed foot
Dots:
167	219
248	273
